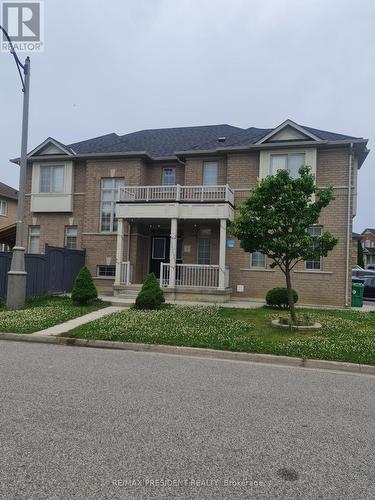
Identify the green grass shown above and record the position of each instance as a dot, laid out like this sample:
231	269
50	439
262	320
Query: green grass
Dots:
43	312
345	335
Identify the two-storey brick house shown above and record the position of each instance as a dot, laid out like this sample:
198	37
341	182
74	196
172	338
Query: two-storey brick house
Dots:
8	216
368	243
160	200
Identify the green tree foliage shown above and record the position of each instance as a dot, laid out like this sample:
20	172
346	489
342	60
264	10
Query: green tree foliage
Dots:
275	218
84	290
278	297
360	260
151	295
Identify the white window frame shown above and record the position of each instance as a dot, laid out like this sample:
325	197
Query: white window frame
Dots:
164	238
255	266
287	155
206	165
265	159
67	229
3	208
315	269
109	277
169	169
36	236
51	169
114	190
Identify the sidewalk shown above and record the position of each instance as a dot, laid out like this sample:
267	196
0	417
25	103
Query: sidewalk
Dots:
73	323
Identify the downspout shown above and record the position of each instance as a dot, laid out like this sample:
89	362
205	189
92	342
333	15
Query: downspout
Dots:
348	230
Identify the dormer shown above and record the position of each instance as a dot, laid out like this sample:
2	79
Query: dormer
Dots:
288	131
52	177
284	149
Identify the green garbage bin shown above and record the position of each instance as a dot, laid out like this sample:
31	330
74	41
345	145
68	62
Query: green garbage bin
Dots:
357	294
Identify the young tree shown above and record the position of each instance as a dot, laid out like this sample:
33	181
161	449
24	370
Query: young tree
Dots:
360	260
275	220
84	290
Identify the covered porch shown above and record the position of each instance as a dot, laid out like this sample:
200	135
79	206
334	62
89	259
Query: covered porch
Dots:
187	256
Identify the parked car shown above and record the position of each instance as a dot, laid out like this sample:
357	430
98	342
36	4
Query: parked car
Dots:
369	292
357	273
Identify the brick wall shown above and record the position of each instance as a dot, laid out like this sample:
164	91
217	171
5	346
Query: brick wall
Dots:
240	171
11	216
326	286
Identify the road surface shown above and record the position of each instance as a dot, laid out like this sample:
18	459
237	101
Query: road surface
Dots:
92	423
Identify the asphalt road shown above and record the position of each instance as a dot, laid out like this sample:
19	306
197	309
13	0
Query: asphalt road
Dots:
96	424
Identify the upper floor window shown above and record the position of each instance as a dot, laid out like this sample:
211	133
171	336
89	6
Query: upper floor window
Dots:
210	173
109	195
51	179
258	260
34	239
169	176
291	162
3	207
314	265
71	237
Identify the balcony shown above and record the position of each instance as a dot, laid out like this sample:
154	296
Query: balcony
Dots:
185	202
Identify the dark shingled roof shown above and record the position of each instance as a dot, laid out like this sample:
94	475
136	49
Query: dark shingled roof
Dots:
368	230
8	192
167	141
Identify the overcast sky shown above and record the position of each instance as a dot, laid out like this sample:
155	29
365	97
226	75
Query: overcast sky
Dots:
125	65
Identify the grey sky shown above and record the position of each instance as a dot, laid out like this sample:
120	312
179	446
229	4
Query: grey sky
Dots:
125	65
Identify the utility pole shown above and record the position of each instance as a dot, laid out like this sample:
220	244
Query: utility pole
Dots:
16	290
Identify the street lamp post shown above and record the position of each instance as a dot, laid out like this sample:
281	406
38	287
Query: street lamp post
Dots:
16	290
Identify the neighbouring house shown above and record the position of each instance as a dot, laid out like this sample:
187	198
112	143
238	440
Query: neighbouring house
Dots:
161	200
356	237
8	216
368	244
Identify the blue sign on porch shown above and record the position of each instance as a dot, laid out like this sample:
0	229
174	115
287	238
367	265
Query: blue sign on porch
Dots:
230	244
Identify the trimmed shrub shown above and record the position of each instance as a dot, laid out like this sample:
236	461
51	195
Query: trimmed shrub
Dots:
84	290
278	297
151	295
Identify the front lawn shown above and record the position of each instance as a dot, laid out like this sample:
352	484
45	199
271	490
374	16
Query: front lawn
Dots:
345	336
43	312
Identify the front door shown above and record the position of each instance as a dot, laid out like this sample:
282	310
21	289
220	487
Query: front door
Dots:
160	246
159	253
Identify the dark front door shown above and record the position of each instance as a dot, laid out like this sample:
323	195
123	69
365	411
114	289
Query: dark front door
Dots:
160	246
159	253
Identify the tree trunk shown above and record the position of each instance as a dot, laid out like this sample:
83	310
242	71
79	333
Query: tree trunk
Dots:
290	296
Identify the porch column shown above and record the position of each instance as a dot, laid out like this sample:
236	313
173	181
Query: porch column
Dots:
119	250
173	253
223	238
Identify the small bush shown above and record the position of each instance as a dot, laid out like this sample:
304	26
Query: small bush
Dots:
278	297
151	295
84	290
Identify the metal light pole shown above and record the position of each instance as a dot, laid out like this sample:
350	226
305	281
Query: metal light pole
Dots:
16	291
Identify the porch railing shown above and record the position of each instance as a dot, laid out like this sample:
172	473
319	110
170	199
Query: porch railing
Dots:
176	193
193	275
126	273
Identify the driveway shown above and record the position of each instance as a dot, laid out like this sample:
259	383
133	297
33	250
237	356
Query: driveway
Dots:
97	424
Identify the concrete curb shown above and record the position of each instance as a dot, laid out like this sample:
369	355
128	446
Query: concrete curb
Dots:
196	352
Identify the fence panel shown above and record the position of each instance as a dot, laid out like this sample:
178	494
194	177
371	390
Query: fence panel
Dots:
53	272
36	268
5	258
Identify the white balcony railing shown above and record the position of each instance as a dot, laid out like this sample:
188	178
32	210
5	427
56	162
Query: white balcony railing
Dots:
186	194
126	273
193	275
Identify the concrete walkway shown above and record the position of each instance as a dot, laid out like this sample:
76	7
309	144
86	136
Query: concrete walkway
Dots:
127	302
73	323
245	304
